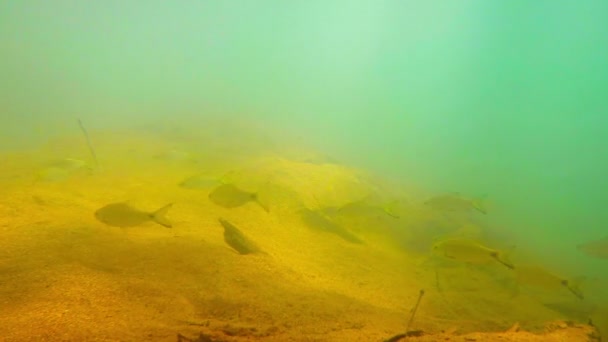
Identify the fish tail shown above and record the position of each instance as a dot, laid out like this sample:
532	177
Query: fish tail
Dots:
503	258
479	205
261	203
574	287
390	209
159	216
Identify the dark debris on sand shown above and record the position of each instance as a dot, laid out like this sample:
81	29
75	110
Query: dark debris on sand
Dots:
201	338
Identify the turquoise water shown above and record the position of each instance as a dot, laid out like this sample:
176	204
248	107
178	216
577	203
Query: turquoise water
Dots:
504	99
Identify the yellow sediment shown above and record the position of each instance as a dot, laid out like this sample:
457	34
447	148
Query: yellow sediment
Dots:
66	276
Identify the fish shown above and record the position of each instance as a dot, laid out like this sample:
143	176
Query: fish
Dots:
124	215
199	182
174	156
598	248
229	196
539	277
318	220
456	202
61	170
53	174
391	209
470	251
237	240
70	164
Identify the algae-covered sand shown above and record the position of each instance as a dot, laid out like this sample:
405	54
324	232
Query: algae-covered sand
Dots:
65	276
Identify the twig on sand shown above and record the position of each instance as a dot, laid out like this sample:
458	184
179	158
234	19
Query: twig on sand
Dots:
91	149
409	332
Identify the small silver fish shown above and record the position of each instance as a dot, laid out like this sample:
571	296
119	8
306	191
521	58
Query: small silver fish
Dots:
174	156
199	182
318	220
70	164
455	202
229	196
237	240
598	248
539	277
123	215
61	170
470	251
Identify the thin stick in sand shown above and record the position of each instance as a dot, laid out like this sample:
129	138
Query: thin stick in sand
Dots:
409	332
91	149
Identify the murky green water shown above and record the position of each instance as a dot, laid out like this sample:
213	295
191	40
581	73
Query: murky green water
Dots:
505	101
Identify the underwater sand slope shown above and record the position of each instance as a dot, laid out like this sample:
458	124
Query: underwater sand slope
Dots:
65	275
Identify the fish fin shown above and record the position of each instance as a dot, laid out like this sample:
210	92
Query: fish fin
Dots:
159	216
